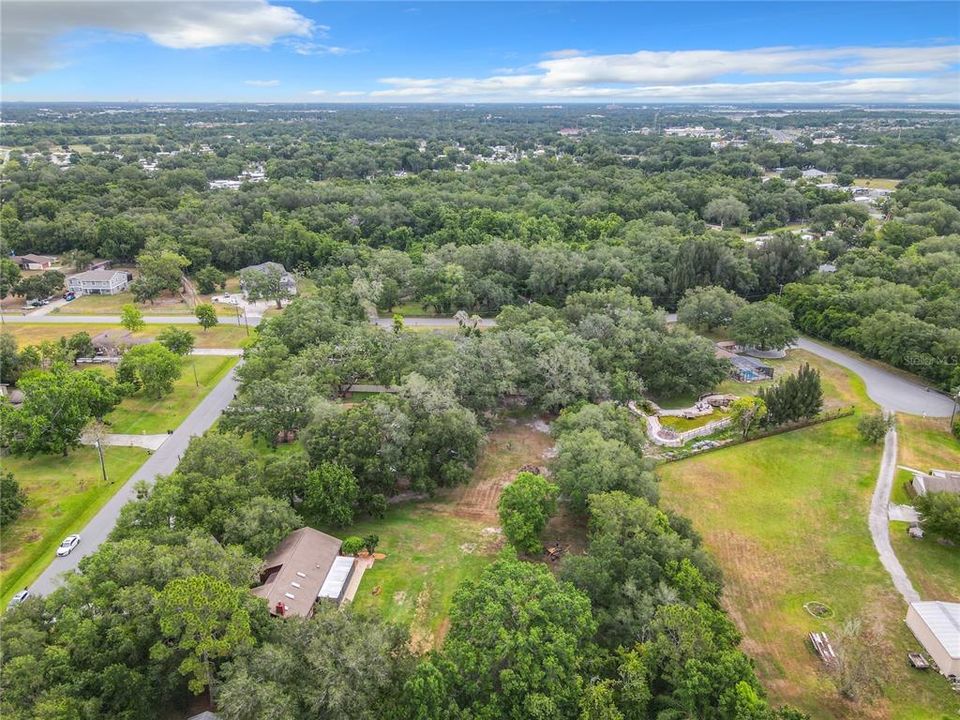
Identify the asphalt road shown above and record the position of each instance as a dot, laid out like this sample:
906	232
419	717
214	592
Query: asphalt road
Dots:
162	462
887	389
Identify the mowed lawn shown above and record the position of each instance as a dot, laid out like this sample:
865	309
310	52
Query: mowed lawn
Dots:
428	553
141	414
786	519
113	304
220	336
841	388
933	568
63	494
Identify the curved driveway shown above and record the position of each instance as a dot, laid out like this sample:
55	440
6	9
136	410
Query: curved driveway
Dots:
888	389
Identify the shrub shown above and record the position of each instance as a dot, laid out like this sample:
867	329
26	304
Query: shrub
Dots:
352	545
873	428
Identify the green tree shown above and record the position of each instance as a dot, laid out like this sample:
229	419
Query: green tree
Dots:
80	345
131	317
763	325
708	308
940	515
266	284
517	643
586	463
207	620
747	413
525	506
269	408
873	427
160	271
151	367
331	495
370	543
12	498
260	524
9	359
206	315
209	279
58	403
9	276
176	340
726	211
37	287
77	260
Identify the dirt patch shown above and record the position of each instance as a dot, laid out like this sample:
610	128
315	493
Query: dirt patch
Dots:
508	449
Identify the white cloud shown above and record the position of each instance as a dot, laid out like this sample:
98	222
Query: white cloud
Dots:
30	28
687	66
784	74
311	48
261	83
568	53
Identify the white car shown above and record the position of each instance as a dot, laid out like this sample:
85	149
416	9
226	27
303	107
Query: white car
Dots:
67	546
19	598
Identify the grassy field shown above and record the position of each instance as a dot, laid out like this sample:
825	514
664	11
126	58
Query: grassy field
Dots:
926	443
841	388
112	305
221	336
786	518
64	493
428	552
140	414
431	547
681	424
934	569
409	309
882	183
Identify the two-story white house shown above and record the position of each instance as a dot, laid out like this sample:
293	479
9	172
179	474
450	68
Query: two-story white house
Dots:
98	282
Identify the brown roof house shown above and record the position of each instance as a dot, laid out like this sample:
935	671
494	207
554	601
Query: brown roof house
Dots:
305	567
30	261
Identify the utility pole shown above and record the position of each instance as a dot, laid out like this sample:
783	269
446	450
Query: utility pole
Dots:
195	380
956	401
103	467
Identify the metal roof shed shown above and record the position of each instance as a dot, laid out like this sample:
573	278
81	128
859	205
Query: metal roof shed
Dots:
937	626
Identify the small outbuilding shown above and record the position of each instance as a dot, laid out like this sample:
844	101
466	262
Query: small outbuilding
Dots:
936	481
936	626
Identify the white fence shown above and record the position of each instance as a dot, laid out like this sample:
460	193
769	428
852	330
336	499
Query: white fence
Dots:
671	438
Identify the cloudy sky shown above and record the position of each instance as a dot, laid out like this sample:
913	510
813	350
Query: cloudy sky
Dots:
270	51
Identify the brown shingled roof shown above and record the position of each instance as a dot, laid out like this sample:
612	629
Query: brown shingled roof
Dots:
294	573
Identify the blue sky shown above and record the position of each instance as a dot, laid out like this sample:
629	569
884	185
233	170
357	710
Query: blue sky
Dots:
257	50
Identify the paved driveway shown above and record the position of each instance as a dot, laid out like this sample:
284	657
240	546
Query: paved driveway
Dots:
162	462
886	388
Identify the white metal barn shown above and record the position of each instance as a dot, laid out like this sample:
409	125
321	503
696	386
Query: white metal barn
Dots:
937	626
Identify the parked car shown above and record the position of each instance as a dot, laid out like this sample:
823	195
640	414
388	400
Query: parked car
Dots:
68	296
68	544
19	598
